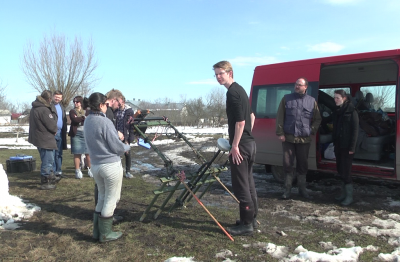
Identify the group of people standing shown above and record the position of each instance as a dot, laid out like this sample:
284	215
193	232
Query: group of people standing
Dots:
105	118
297	120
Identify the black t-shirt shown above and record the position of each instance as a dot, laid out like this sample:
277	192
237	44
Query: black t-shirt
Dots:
237	110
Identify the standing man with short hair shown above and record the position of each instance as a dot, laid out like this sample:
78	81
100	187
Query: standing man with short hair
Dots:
42	129
243	148
298	118
61	136
122	116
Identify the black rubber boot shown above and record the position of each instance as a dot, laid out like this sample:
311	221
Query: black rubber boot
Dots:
349	195
241	230
105	229
301	182
96	232
255	225
342	194
46	183
288	185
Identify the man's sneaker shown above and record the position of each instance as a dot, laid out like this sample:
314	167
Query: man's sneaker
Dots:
128	175
89	172
78	174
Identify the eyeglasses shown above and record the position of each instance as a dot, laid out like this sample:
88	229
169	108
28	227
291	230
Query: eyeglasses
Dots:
298	85
220	74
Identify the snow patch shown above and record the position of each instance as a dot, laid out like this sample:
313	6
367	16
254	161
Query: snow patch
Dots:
12	208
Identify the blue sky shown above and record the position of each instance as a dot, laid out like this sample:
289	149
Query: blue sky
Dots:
166	49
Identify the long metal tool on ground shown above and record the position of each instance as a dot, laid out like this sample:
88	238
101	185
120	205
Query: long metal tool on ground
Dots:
182	178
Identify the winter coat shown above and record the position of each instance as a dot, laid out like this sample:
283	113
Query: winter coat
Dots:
128	130
345	127
75	122
42	124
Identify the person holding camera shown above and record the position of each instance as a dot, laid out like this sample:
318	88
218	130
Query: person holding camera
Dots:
105	149
78	145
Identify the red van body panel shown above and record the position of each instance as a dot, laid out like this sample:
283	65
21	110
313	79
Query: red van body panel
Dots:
269	148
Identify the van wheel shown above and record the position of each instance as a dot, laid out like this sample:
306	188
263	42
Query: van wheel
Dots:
277	172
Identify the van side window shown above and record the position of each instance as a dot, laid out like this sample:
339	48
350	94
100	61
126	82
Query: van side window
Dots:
383	97
266	99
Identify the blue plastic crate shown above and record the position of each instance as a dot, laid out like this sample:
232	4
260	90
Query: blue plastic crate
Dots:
20	157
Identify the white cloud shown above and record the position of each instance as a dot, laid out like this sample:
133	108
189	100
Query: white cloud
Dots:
327	47
251	60
285	48
342	2
210	82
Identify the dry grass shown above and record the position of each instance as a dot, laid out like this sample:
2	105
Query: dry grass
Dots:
62	230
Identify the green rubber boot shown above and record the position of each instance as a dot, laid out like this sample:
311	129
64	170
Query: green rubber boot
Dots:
342	194
96	233
349	195
105	229
301	182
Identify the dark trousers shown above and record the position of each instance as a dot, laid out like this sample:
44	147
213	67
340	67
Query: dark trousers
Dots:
243	182
298	151
128	161
344	161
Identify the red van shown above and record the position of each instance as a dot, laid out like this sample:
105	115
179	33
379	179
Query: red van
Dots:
372	82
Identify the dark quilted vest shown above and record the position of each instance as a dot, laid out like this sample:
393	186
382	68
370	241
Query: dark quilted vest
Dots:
299	112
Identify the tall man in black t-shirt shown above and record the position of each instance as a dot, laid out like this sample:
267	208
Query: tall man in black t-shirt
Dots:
243	148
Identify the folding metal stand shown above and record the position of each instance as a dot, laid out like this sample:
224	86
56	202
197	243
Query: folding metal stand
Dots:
204	176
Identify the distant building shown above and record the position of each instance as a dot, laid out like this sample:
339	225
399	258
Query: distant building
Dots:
5	117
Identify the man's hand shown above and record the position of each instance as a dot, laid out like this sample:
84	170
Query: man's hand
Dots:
282	138
236	156
121	136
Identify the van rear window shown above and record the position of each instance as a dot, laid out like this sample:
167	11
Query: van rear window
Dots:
380	97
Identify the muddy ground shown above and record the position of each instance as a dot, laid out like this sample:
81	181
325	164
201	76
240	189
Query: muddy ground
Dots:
373	213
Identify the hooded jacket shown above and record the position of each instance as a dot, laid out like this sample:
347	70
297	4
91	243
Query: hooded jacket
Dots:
42	124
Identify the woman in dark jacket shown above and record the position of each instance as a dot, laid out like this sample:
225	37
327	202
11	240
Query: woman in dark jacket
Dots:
78	145
345	133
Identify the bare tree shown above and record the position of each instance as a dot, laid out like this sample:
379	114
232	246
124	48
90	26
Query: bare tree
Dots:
216	108
59	64
195	110
3	100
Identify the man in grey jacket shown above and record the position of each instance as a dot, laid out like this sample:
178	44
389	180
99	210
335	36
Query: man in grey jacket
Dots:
42	130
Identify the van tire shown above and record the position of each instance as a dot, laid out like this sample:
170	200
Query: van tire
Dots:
277	173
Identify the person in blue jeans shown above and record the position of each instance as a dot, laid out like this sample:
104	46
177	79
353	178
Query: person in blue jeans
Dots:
42	129
61	136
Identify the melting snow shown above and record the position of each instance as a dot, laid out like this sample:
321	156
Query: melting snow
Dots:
12	208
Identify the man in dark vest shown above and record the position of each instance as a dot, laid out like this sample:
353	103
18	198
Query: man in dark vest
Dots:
243	149
298	118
